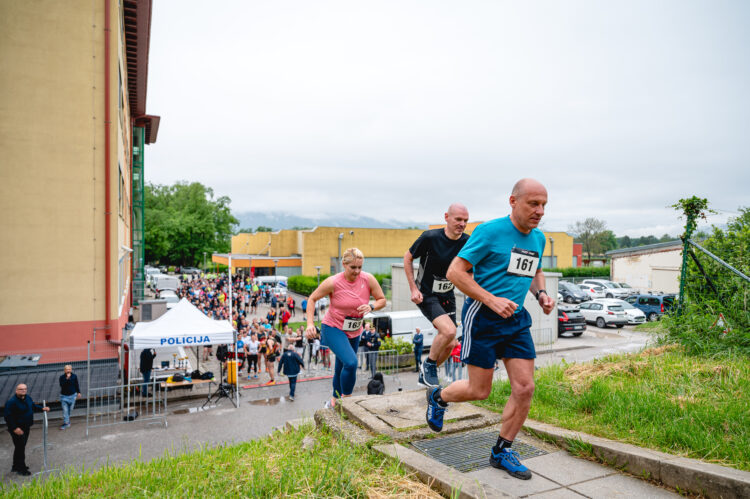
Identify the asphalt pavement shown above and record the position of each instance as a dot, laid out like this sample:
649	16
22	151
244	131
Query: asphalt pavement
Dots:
261	410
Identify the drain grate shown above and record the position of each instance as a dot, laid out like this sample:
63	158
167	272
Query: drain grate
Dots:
470	451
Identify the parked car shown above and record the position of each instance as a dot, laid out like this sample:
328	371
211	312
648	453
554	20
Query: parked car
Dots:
603	313
592	290
570	320
654	306
611	289
170	296
279	291
635	316
571	293
191	270
631	290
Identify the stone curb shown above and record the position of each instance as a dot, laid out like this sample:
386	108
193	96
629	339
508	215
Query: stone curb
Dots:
692	475
438	476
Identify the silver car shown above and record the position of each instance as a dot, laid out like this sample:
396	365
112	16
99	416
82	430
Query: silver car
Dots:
592	290
635	316
603	313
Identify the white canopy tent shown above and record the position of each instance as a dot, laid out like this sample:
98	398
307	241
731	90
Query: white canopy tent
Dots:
183	325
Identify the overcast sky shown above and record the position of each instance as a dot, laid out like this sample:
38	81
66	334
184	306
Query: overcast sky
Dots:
394	109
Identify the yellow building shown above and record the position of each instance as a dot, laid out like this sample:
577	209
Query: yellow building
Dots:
72	131
558	252
293	252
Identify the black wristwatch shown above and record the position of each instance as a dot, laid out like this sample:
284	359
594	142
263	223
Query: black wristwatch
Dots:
540	292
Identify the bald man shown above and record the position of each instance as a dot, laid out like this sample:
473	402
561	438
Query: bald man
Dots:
19	417
505	257
432	292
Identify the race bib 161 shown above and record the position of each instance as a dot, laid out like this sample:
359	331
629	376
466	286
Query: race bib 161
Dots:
523	262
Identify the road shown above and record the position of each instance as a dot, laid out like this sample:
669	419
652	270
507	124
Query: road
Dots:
261	410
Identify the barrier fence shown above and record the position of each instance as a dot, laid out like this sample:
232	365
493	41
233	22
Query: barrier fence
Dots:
122	404
95	365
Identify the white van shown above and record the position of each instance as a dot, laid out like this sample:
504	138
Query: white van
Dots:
402	325
162	281
273	280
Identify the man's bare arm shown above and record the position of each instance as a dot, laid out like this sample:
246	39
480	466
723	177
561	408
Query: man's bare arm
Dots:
416	295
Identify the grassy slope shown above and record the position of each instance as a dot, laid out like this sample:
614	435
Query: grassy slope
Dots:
275	466
661	398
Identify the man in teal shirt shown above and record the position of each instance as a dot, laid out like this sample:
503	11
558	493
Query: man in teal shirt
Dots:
505	256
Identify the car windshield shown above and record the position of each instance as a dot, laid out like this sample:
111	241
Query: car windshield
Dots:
669	300
567	285
616	308
598	288
626	306
624	285
616	285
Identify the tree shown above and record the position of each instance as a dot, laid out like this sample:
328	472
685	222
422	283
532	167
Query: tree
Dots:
183	221
244	230
263	228
607	240
589	233
624	242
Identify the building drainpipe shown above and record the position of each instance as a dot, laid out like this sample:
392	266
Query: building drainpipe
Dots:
107	180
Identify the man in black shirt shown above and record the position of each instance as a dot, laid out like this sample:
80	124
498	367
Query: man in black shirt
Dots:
431	290
146	366
19	416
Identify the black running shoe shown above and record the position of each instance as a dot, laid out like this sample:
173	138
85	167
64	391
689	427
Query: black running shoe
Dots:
428	375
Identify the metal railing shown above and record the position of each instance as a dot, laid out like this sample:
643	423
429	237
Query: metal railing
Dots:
122	404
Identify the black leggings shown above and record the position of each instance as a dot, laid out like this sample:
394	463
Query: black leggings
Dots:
252	363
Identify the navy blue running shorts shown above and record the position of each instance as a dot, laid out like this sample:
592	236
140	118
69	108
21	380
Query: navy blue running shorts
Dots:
491	337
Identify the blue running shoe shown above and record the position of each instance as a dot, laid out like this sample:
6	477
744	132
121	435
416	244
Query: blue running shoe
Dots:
428	375
435	411
507	459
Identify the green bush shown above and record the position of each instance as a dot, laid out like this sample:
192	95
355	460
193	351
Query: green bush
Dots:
695	326
399	345
380	277
304	284
594	272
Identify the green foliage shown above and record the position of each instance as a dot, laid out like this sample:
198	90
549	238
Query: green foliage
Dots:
696	325
184	220
593	272
592	233
263	228
279	465
629	398
304	284
399	345
693	209
381	277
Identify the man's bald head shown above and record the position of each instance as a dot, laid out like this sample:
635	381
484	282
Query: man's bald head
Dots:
525	186
527	202
456	219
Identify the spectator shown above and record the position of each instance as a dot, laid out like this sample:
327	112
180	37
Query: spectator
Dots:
374	346
376	386
285	316
69	392
304	306
290	364
19	417
290	304
146	366
418	341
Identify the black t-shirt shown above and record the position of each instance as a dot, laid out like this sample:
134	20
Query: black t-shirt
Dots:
435	251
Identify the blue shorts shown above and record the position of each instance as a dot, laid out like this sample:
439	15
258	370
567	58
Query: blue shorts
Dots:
491	337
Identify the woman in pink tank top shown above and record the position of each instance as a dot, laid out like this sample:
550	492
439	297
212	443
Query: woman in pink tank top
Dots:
350	293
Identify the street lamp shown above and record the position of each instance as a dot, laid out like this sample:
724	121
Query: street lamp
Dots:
317	267
275	266
552	252
204	261
338	267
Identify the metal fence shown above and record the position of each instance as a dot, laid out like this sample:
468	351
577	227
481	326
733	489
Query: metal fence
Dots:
96	365
123	404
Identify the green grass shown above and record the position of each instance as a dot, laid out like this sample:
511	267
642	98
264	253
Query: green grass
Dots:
276	466
662	398
650	327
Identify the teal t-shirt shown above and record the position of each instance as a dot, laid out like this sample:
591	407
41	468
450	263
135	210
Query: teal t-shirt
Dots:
504	258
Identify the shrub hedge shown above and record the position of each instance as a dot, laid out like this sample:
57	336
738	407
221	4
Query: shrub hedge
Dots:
305	284
598	272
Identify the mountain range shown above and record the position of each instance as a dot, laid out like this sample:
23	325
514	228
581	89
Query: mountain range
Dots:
279	220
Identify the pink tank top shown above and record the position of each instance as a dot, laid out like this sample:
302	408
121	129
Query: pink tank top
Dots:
345	299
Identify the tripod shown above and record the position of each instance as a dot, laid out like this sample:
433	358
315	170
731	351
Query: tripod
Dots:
224	390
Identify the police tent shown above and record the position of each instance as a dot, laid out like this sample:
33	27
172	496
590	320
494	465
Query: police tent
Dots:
184	325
